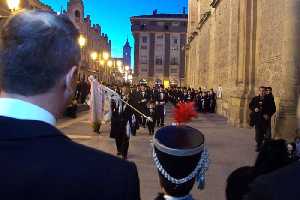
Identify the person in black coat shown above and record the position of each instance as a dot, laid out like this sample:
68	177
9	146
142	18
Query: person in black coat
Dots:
281	184
213	101
123	114
160	101
143	98
115	125
151	113
256	107
269	109
39	59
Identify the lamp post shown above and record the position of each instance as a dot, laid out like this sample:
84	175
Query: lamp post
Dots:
94	56
105	56
13	5
110	65
126	73
82	42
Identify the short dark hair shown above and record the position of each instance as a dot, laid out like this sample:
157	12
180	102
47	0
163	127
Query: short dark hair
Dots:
36	49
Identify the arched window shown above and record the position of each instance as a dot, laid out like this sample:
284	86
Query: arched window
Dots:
77	14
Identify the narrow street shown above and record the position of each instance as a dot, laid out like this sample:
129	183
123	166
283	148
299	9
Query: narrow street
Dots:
229	149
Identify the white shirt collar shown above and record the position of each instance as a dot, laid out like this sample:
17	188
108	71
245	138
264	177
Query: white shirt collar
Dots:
23	110
167	197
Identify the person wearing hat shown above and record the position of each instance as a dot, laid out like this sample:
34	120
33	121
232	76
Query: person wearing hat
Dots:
160	101
180	157
143	98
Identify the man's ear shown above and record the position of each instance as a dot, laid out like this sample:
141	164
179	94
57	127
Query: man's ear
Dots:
71	78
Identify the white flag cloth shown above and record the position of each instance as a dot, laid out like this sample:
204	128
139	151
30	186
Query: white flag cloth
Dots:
100	101
96	101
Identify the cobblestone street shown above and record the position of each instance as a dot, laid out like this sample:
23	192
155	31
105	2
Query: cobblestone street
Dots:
229	149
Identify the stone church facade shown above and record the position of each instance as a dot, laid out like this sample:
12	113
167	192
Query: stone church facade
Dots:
241	45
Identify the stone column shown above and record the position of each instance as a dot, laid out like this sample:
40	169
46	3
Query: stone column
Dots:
136	53
286	122
167	56
151	55
182	58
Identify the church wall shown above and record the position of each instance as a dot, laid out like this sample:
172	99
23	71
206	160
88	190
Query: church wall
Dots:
243	45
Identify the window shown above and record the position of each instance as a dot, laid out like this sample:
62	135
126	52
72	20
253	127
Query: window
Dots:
173	70
144	69
144	60
160	23
144	47
174	61
175	24
175	41
159	70
77	13
144	39
174	48
158	61
143	26
159	46
160	37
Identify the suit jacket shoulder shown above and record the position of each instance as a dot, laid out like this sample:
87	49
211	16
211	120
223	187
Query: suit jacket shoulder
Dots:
279	185
37	157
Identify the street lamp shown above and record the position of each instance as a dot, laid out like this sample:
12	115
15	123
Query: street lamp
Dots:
13	5
81	41
94	55
102	62
119	63
110	63
105	55
126	68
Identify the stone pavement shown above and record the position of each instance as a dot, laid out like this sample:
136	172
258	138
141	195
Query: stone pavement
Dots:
229	149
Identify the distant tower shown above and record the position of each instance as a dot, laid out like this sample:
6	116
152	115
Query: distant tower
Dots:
75	12
127	54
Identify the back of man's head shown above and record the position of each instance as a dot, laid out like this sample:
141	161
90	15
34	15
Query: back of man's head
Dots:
37	49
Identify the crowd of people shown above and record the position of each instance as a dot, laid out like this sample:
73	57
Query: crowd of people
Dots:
39	55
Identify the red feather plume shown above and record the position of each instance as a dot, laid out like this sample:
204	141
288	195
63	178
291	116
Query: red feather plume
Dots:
184	112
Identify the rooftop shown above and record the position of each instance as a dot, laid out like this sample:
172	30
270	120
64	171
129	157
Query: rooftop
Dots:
162	16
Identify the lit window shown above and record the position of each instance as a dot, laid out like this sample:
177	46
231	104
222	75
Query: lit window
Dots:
145	39
158	61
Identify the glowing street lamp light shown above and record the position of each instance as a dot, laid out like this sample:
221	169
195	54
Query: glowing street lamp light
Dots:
105	55
81	41
13	5
119	63
110	63
94	55
126	68
102	62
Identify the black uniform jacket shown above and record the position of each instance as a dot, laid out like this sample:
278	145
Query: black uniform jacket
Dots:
39	163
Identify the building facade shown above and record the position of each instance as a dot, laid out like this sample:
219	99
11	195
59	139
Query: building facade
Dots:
97	41
27	4
159	52
127	54
241	45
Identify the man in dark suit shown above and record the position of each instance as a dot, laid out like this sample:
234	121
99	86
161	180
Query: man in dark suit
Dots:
279	185
39	56
256	106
